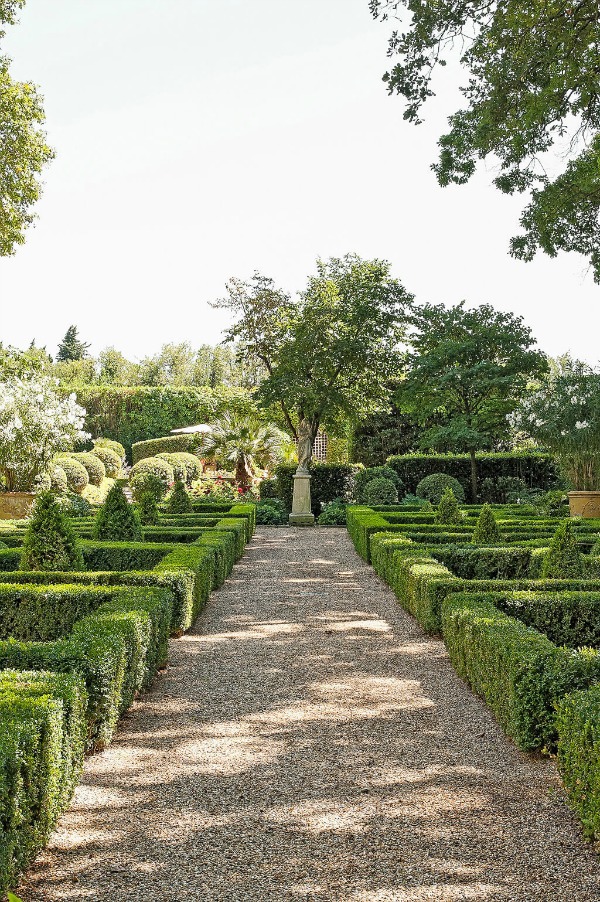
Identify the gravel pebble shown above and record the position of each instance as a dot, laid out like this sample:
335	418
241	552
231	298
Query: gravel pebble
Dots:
309	742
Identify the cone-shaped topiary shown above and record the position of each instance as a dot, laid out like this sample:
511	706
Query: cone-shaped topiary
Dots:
148	509
448	510
50	543
563	560
117	521
179	502
486	530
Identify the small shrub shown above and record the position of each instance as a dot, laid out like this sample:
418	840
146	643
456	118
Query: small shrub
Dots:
268	489
117	521
448	510
110	459
75	472
563	560
117	447
192	464
364	477
154	466
486	530
144	483
271	513
179	468
415	501
94	466
179	500
333	514
50	543
433	487
58	480
148	509
380	491
74	505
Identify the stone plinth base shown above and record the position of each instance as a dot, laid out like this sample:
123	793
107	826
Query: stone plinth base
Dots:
301	510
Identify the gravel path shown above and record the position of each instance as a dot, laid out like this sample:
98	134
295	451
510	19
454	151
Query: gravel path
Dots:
309	742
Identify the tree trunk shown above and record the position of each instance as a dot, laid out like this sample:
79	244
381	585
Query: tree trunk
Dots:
474	480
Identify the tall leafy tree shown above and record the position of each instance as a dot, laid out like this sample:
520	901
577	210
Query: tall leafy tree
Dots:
71	347
467	371
23	147
330	353
532	82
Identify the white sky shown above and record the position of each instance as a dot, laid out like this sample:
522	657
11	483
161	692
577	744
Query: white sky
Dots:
201	139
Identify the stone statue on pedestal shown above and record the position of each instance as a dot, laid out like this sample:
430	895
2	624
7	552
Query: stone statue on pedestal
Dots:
304	446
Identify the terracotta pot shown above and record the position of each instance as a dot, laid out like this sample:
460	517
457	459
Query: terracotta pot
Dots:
15	505
585	504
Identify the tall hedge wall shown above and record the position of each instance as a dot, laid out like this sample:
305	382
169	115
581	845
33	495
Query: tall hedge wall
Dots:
134	414
538	470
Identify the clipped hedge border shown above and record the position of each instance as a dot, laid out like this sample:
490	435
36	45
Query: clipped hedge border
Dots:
578	725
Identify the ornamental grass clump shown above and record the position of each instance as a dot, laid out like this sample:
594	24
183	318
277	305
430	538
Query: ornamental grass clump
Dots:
563	560
50	543
487	531
179	501
448	510
117	520
148	509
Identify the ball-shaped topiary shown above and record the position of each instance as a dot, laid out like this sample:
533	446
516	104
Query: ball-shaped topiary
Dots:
380	491
50	543
487	531
179	468
153	466
144	483
58	480
432	488
117	520
148	509
448	510
110	459
179	501
93	465
364	476
192	464
76	473
117	447
563	559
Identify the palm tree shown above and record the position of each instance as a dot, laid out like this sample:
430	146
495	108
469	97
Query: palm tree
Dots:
239	441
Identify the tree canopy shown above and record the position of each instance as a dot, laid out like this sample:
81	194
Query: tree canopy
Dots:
71	347
23	148
467	371
331	352
533	85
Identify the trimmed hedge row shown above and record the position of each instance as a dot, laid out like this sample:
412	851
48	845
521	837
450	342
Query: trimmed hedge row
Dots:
537	470
578	724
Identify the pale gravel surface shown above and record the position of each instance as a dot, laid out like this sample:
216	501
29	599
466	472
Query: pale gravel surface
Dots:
309	742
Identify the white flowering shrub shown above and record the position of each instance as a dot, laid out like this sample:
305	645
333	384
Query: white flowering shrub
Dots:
35	424
563	415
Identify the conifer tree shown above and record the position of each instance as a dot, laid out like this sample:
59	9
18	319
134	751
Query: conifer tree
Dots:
486	530
117	521
563	559
71	347
50	543
179	502
148	509
448	510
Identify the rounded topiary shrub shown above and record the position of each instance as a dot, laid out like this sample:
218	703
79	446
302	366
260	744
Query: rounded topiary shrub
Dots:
58	480
148	509
179	501
563	559
487	531
76	473
179	468
110	459
94	466
154	466
333	514
50	543
117	520
192	464
364	476
146	483
448	510
380	491
117	447
433	487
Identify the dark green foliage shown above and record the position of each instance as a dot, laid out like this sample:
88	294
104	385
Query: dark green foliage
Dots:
363	476
102	556
504	490
271	512
536	470
448	511
329	481
380	491
563	560
381	435
487	531
268	489
45	612
49	542
117	520
71	347
468	562
432	488
566	618
578	725
179	501
333	514
148	509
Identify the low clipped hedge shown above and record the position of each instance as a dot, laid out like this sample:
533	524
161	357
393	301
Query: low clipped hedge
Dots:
168	444
578	725
519	672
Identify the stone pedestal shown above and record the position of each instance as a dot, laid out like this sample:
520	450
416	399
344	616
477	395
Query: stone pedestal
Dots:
301	513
